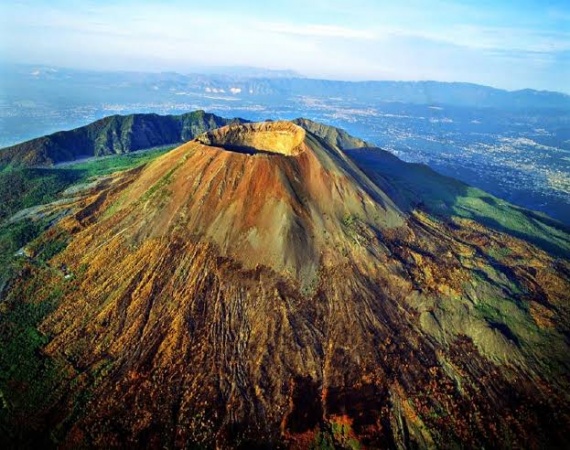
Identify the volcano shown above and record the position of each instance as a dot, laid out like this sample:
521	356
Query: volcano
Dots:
281	284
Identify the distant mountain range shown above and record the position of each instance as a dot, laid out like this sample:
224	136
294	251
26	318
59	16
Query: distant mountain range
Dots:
251	83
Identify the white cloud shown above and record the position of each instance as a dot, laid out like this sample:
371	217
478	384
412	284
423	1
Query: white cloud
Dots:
501	38
317	30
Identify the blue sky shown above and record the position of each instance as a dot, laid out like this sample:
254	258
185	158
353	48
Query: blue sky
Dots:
507	44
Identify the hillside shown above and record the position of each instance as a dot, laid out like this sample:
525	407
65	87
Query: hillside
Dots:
111	135
263	286
331	135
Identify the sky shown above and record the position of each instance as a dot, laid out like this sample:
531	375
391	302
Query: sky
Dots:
507	44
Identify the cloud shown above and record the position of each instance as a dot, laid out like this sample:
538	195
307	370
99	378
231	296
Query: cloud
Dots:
317	30
503	38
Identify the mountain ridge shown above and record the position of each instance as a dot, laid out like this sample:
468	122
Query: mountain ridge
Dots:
426	92
111	135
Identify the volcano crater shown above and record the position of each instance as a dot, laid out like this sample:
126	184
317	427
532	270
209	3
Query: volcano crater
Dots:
271	138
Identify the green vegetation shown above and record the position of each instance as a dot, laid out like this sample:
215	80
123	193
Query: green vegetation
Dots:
498	214
160	184
499	253
511	319
335	435
349	220
12	238
23	188
28	379
323	441
342	433
110	164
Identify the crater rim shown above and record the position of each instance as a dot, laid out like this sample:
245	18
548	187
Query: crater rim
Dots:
270	138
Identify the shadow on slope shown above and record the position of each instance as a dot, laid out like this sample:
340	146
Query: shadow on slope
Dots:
417	186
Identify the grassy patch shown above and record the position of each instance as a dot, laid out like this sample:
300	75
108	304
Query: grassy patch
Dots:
23	188
343	436
12	238
499	253
110	164
336	434
349	220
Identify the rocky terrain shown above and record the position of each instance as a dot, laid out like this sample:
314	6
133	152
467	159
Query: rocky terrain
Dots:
266	285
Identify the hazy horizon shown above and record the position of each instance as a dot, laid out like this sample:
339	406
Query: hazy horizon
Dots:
511	45
242	71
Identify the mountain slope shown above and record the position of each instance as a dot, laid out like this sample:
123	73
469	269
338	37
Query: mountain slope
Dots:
259	286
331	135
111	135
417	185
